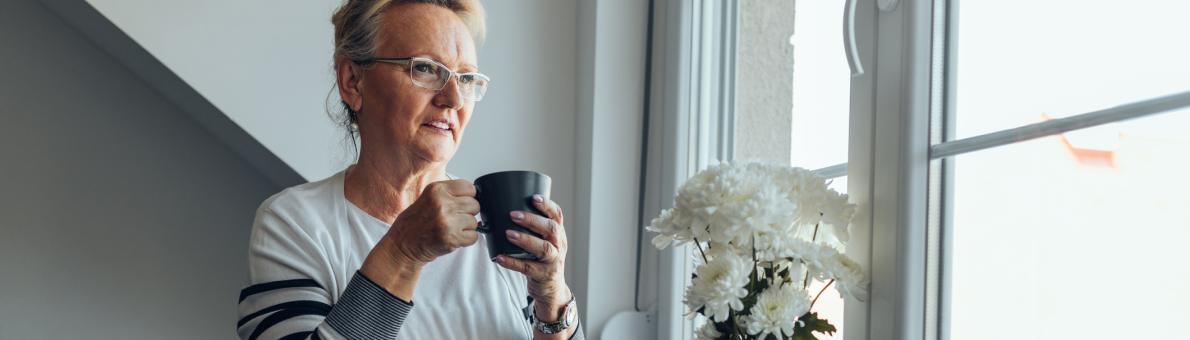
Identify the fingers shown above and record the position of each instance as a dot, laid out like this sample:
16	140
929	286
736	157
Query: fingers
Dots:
462	222
468	205
545	251
547	228
550	208
457	187
534	270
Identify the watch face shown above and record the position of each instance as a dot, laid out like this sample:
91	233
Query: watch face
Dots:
571	314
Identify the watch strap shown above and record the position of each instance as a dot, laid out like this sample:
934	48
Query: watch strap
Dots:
563	323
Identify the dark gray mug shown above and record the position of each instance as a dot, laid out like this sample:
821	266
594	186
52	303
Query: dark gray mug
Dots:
501	193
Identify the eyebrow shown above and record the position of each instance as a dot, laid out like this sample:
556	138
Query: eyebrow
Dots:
462	68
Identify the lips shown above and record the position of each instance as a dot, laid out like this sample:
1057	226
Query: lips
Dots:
441	126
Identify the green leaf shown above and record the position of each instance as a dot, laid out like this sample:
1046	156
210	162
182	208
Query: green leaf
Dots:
811	324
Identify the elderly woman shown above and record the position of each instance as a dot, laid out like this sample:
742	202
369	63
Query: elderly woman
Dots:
348	257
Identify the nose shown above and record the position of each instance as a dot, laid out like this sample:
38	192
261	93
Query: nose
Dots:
450	96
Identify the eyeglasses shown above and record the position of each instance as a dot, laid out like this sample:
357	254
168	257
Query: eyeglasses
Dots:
429	74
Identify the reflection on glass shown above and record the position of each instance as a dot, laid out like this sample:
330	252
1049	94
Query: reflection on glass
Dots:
1020	59
1076	236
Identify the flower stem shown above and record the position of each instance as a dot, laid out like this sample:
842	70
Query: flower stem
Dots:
704	255
813	237
755	266
828	284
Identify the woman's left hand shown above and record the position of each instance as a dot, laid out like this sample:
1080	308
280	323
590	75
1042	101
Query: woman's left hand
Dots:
547	285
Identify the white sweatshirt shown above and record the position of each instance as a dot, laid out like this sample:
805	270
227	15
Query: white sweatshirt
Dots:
306	247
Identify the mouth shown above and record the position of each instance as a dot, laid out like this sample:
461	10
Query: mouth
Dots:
440	126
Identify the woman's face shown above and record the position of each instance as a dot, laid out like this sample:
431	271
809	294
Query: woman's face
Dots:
399	118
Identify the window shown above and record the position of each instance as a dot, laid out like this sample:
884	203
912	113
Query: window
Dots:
1066	229
1013	161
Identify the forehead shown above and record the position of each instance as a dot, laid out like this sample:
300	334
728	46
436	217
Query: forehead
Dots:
425	30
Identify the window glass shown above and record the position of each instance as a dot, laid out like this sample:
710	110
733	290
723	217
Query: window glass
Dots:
1024	61
821	103
1075	236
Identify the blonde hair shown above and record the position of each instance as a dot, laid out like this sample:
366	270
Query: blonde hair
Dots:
357	23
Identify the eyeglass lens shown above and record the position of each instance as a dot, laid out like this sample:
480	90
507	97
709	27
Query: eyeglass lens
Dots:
431	75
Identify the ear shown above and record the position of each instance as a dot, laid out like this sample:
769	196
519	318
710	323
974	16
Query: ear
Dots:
349	78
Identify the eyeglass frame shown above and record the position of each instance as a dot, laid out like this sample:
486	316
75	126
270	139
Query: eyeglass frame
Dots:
408	62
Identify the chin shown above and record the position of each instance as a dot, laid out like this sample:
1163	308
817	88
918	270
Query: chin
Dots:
437	153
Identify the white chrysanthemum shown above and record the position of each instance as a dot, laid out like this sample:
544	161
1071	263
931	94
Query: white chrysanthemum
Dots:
713	251
719	286
669	231
826	263
849	277
777	310
771	213
707	332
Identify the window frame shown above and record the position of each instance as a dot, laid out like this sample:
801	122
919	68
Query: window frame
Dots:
690	124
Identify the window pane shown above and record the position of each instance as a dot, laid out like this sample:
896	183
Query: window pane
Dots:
821	86
821	100
1076	236
1021	61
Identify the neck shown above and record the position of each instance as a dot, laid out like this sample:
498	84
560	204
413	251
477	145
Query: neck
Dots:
384	188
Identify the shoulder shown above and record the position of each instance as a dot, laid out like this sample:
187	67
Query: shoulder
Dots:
285	232
302	205
296	212
303	198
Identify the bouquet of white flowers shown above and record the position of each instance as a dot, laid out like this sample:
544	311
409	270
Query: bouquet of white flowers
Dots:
763	232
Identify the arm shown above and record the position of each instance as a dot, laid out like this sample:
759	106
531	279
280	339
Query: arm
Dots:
378	298
289	300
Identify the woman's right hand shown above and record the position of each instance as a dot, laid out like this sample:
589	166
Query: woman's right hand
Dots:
440	221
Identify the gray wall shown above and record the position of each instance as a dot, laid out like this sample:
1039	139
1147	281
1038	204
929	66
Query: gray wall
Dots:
120	218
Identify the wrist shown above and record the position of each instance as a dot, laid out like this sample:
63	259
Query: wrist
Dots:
563	324
552	309
388	268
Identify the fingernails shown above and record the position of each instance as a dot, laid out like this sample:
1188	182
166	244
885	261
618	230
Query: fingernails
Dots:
538	199
512	235
517	215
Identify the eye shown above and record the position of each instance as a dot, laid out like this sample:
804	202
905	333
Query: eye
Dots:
466	79
423	67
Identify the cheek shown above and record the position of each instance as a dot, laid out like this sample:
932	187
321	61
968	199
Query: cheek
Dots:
403	108
465	117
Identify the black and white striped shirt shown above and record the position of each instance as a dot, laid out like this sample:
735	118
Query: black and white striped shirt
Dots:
307	245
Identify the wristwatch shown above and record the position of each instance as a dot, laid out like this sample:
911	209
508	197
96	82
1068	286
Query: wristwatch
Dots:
569	318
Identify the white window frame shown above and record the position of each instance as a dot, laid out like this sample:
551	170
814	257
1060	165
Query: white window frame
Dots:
688	128
888	168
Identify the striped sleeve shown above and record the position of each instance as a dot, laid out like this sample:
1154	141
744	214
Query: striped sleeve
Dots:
289	298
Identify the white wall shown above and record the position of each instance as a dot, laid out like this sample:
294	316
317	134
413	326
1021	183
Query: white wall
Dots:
612	37
120	218
265	64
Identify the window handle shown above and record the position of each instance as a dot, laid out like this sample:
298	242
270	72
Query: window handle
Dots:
887	5
857	67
